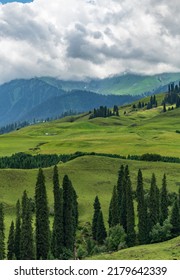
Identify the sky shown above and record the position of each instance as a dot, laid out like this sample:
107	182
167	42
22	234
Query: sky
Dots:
78	39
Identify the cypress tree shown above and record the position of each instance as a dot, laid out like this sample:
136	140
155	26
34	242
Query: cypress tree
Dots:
142	211
57	241
27	242
153	203
97	208
163	201
113	209
2	236
17	231
74	208
120	183
123	207
179	198
101	230
68	220
10	243
42	218
175	219
131	236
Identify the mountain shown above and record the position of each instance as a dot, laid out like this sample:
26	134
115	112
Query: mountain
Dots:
128	83
26	99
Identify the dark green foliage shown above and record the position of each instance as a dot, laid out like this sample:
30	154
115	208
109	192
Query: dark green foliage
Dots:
142	211
27	242
175	219
163	201
120	188
152	102
10	243
57	241
154	157
131	235
164	107
68	219
18	231
2	244
179	197
42	218
113	209
153	203
116	238
160	233
101	230
104	112
97	208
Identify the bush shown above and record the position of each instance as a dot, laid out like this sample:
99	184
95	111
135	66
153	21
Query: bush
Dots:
116	238
161	233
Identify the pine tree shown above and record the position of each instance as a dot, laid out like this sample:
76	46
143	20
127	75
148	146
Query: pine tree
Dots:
153	203
58	232
17	231
26	242
123	207
42	218
175	219
68	220
2	236
10	246
97	208
164	107
142	211
113	209
101	230
131	235
179	197
163	201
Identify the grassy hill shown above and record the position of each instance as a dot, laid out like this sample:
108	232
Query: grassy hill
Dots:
136	132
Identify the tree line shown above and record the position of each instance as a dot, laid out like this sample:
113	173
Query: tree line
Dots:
28	240
104	112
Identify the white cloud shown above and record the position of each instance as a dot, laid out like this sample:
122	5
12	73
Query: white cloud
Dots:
80	38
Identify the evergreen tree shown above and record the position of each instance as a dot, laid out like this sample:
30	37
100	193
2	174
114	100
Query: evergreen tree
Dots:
131	235
68	220
163	201
175	219
179	197
123	207
17	231
142	211
97	208
42	218
113	209
27	242
164	107
74	208
153	203
120	189
2	244
57	241
101	230
10	244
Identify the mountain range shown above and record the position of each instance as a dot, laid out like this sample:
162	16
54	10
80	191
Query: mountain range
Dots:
47	97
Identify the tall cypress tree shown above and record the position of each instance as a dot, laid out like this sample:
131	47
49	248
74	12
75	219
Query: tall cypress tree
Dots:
57	241
101	230
97	208
68	219
2	236
142	211
27	242
163	201
120	183
123	207
179	197
42	218
74	207
17	231
131	235
175	219
113	209
10	243
153	203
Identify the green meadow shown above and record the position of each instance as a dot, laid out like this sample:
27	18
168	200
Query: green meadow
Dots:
135	132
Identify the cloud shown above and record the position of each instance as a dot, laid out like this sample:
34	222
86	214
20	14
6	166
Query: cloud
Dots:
74	39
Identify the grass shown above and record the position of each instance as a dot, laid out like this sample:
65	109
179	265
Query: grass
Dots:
169	250
136	132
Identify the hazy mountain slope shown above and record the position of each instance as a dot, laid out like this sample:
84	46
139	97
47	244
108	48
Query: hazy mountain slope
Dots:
76	101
